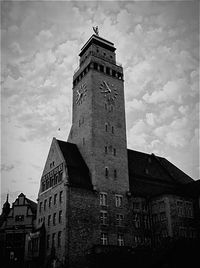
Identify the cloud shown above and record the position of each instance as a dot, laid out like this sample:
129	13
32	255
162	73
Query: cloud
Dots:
5	167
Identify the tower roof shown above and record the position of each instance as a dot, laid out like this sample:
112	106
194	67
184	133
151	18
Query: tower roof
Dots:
95	39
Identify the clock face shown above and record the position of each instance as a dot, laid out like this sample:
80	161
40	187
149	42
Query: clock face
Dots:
81	94
109	91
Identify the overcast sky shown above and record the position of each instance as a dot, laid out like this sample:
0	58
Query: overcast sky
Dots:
157	44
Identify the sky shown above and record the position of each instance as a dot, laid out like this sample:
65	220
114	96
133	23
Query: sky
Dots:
158	45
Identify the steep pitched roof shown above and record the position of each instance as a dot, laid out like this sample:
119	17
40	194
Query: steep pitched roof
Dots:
153	175
32	205
79	175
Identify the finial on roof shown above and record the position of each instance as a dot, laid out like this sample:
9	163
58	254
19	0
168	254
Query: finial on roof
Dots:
7	197
96	30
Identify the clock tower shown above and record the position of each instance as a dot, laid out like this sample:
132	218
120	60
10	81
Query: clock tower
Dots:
98	122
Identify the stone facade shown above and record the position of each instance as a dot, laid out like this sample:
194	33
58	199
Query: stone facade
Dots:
111	199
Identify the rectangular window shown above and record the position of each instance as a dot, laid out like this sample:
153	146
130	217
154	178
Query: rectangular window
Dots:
61	197
53	239
55	199
112	130
106	172
50	201
48	241
106	149
114	152
49	220
104	217
54	219
118	200
120	240
60	216
45	204
106	127
115	173
104	238
59	238
40	207
119	219
103	199
19	218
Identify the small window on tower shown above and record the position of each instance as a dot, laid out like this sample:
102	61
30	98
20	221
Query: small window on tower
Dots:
106	172
108	70
112	129
115	173
95	66
106	127
106	149
101	68
114	152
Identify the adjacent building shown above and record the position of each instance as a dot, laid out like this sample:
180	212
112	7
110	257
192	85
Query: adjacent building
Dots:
16	223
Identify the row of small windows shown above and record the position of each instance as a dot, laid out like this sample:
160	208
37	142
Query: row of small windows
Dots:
52	219
103	200
52	178
105	241
100	68
107	128
184	209
49	204
53	242
110	149
107	173
104	219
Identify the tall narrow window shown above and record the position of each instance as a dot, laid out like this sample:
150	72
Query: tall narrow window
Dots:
104	238
106	149
106	172
112	129
106	127
53	239
48	241
59	238
104	217
103	199
54	219
49	220
55	199
119	219
114	152
45	204
115	173
118	200
60	216
50	201
61	197
120	240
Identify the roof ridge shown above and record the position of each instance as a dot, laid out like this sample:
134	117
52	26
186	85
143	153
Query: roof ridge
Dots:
163	166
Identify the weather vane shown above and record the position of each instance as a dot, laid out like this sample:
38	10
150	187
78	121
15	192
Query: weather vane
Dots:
96	30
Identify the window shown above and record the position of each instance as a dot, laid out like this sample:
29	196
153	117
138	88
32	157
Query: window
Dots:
112	130
59	238
162	216
180	208
106	172
54	219
49	220
103	199
50	201
106	127
108	70
55	199
60	216
53	239
118	200
48	241
114	151
101	68
120	240
115	173
104	217
40	207
106	149
61	197
136	220
104	238
45	204
19	218
189	209
119	219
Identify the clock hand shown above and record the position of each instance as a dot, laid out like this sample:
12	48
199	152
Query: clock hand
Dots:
107	87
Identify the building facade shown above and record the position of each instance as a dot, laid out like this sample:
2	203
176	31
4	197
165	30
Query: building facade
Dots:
16	224
98	202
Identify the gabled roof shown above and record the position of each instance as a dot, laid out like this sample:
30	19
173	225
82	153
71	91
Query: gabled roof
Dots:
32	205
153	175
79	175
